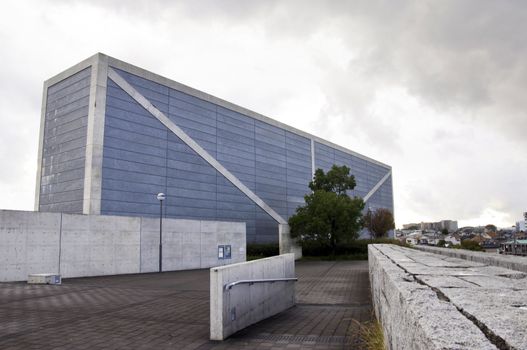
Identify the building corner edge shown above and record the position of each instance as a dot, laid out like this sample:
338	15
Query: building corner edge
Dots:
95	136
40	153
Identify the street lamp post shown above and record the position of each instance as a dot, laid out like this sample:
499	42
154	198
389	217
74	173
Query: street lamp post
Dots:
514	246
370	213
161	197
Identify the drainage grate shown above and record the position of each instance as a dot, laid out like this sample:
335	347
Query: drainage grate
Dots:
320	339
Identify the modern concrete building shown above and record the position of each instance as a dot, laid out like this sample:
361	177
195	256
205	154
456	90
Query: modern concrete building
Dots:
113	135
521	225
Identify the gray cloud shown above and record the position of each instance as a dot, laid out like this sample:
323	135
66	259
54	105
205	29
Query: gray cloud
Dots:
452	55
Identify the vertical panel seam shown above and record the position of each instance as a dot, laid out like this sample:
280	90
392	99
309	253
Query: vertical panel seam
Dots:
286	187
60	241
166	158
312	158
200	244
255	209
140	244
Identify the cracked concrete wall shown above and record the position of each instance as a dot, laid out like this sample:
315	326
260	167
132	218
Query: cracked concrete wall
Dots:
429	301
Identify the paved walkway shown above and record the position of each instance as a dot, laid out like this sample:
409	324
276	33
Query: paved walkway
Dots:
171	311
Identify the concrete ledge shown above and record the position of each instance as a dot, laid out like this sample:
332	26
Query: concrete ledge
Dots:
245	304
440	302
412	314
518	263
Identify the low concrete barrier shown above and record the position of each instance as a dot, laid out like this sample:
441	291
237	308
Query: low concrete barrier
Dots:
29	243
414	315
242	305
518	263
95	245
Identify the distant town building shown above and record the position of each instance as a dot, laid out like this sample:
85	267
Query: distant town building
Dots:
518	247
415	226
450	225
521	225
453	239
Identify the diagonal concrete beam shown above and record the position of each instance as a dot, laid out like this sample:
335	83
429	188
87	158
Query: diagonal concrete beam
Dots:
146	104
376	187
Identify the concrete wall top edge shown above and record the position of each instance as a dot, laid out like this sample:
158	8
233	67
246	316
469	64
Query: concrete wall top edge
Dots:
237	224
410	307
290	256
517	263
90	61
143	73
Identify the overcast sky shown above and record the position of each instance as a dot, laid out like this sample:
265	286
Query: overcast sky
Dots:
436	89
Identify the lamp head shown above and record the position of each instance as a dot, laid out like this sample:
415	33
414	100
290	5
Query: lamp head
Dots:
161	196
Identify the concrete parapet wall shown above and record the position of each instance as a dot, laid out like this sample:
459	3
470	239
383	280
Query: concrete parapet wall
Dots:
245	304
518	263
431	301
95	245
412	314
29	243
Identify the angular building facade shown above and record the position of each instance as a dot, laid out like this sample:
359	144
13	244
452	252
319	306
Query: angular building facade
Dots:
113	135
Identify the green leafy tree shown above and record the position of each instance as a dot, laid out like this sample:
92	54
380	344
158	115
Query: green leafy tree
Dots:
329	216
471	245
337	180
444	232
491	228
379	222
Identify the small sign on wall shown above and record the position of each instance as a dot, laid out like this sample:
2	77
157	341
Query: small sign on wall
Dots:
224	252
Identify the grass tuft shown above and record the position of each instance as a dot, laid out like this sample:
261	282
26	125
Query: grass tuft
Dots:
370	334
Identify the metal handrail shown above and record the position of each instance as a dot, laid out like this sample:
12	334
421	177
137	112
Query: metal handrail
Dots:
229	286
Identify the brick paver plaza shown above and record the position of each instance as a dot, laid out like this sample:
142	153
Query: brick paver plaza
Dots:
171	311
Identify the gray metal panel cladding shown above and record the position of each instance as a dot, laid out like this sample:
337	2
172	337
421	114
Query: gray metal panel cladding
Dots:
64	144
272	163
195	160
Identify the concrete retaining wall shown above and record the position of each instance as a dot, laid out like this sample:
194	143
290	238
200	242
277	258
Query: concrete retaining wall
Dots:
245	304
94	245
517	263
28	244
432	301
412	314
